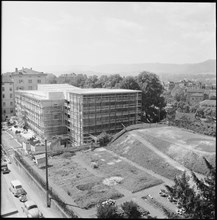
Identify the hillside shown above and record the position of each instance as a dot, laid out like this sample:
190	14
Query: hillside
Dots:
167	147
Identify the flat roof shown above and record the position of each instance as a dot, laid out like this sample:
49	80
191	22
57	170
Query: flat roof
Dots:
16	182
104	91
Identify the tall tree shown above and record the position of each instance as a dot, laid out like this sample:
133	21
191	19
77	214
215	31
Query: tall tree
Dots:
113	81
129	82
197	200
153	102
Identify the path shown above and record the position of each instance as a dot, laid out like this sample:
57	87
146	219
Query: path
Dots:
161	154
152	173
180	144
128	195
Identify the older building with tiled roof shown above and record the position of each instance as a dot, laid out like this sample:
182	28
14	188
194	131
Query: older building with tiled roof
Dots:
208	103
27	79
7	93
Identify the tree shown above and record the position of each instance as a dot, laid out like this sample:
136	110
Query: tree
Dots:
129	82
91	82
107	209
103	138
79	80
113	81
51	78
152	100
131	210
196	201
101	82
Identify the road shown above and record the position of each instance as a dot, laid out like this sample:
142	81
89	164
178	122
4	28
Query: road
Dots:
33	193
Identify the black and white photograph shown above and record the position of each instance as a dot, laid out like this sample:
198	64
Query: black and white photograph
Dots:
108	109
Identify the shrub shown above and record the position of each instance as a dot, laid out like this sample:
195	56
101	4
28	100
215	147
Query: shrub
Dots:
67	155
107	209
131	210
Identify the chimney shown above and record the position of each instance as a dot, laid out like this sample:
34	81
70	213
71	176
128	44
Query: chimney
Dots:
16	70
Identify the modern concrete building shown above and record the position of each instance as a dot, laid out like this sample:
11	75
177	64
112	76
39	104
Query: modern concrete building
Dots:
56	109
92	111
7	91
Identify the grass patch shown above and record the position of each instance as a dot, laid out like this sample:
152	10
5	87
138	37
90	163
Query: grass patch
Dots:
141	155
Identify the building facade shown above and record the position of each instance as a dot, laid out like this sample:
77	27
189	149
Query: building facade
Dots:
43	112
208	104
56	109
27	79
194	96
7	91
92	111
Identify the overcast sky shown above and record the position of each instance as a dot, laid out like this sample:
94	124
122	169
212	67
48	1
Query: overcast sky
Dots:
40	35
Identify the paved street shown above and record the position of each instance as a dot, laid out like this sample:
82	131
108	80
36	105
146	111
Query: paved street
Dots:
33	193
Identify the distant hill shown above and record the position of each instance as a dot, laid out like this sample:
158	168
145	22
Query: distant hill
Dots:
164	70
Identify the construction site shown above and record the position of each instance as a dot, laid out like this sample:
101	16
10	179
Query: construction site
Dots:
78	113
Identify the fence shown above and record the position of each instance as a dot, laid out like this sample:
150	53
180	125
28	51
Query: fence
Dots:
134	127
53	192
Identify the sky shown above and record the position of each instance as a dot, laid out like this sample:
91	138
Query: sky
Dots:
48	35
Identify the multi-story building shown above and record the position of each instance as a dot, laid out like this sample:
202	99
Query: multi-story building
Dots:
27	79
42	111
92	111
24	79
81	113
208	104
195	96
7	98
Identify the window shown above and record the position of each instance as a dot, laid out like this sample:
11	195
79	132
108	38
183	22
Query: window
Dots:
39	81
12	111
3	96
4	112
11	95
30	87
10	89
11	103
20	81
3	88
30	81
3	103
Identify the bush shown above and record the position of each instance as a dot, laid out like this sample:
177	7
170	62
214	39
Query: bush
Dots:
107	209
104	138
131	210
67	155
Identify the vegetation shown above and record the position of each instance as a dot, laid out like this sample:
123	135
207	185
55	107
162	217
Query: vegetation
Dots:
127	210
153	102
104	138
196	201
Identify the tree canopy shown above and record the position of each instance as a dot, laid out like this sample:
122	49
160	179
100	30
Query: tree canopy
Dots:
153	102
197	200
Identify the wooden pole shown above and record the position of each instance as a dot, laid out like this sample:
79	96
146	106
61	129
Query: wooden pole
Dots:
46	161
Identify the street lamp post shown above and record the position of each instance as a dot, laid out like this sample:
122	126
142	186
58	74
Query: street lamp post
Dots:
46	161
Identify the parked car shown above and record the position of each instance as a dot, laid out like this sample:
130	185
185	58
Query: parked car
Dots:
23	198
16	188
4	167
31	210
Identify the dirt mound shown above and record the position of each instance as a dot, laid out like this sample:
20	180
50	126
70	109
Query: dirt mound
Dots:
191	158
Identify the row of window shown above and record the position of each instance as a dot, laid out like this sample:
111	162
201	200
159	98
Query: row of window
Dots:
4	104
11	111
11	95
3	89
29	81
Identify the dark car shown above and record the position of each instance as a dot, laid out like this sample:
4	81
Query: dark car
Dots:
23	198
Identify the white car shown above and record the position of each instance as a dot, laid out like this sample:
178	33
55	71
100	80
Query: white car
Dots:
31	210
